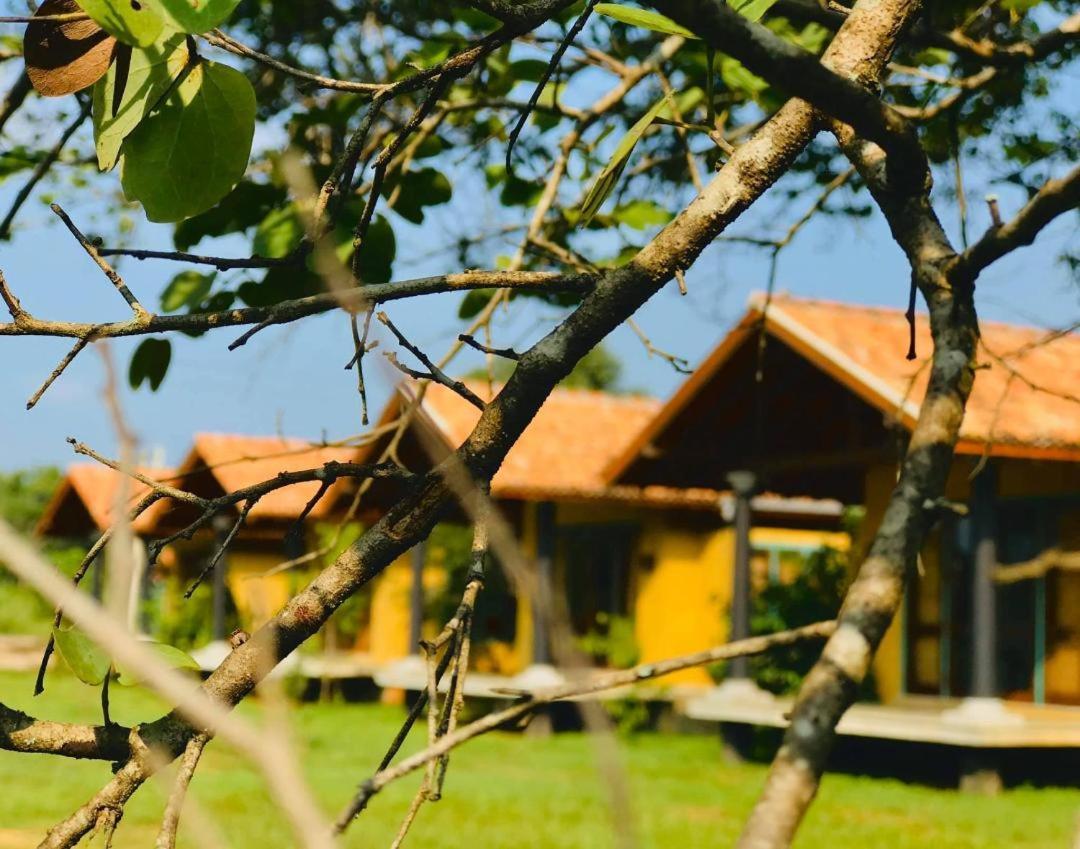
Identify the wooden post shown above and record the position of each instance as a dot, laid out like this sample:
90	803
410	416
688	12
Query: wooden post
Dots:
947	571
983	590
222	524
1038	684
545	568
416	597
742	484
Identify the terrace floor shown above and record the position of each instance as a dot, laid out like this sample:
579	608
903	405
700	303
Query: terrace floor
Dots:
974	723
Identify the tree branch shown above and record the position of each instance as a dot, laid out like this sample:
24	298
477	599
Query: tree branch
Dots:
1055	198
434	373
22	733
799	72
377	293
166	838
873	599
752	168
577	689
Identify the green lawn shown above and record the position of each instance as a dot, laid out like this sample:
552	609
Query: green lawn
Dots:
510	790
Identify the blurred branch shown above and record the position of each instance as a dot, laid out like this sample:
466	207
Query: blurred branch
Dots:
576	690
1054	198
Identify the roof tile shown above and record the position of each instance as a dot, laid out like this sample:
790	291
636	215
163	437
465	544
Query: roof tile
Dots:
1025	399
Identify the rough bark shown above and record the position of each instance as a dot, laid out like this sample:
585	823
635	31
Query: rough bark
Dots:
22	733
876	594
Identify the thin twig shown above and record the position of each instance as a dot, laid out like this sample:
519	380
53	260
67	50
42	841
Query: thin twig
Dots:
221	263
69	357
106	269
166	838
361	346
434	373
225	543
545	78
505	353
225	42
612	680
680	364
42	169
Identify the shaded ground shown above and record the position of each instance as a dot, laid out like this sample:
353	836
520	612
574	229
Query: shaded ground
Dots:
510	790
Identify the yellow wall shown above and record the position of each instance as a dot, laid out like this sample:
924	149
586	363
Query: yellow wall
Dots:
889	660
683	598
257	596
390	608
679	594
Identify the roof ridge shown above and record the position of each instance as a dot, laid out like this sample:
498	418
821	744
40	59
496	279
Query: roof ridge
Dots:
472	382
757	298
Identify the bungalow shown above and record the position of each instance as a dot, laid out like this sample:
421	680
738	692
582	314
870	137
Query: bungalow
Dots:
635	509
624	555
82	508
620	554
246	587
817	398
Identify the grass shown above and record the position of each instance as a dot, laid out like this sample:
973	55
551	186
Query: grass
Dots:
508	790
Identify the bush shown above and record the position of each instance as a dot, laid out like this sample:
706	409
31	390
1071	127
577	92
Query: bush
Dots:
23	496
612	642
814	595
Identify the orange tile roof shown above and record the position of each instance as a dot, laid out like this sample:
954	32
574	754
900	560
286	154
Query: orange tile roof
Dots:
563	450
237	462
1026	402
574	436
1035	414
97	488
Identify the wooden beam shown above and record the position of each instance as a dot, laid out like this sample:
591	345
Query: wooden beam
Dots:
743	485
545	570
984	590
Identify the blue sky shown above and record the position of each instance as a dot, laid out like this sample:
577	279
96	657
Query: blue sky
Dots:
291	379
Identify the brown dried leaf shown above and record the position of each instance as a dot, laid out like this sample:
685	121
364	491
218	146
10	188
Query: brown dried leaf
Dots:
63	57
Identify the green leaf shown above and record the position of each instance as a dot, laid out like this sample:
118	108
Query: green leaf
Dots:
549	97
280	284
377	251
643	18
519	192
194	15
609	175
1019	7
738	78
189	153
169	655
186	289
17	159
528	70
149	363
131	22
474	302
82	655
279	232
813	38
417	189
141	81
751	9
244	207
640	214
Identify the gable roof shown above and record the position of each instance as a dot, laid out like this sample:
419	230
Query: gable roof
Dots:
235	462
564	450
86	499
1025	404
